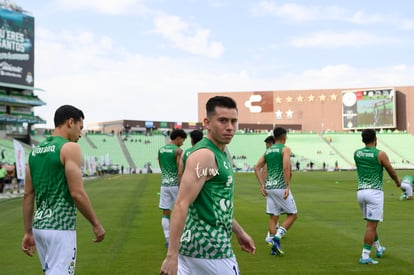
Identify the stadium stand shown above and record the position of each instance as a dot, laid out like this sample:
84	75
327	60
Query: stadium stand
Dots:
108	151
136	151
87	149
245	150
7	151
396	145
37	138
306	148
344	145
312	147
399	147
144	149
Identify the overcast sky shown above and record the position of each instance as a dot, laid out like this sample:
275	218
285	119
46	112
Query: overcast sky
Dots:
147	60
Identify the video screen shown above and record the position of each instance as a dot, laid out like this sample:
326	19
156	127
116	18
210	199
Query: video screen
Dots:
16	48
374	108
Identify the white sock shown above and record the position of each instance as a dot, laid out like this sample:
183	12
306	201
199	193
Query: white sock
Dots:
165	222
281	231
377	245
365	253
269	237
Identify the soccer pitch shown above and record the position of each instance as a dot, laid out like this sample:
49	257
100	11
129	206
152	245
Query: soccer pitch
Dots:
327	236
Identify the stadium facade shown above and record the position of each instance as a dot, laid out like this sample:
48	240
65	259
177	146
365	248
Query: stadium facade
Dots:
140	126
339	110
17	97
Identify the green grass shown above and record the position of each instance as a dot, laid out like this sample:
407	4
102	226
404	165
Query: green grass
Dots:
326	238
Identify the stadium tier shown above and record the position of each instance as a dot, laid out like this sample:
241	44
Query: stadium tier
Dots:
313	148
7	155
104	151
306	148
245	150
144	149
329	151
396	145
399	147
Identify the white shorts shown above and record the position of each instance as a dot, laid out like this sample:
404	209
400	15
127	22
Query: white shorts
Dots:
371	202
276	205
407	189
168	194
56	250
196	266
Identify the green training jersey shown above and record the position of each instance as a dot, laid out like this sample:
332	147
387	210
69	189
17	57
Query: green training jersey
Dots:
274	159
369	170
408	179
55	207
187	153
208	227
168	165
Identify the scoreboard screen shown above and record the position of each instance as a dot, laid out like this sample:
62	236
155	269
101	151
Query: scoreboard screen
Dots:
16	48
371	108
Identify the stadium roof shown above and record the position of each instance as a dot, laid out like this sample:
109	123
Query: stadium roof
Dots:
16	86
21	119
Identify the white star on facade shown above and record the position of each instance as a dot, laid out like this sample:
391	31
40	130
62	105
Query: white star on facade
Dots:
289	113
278	114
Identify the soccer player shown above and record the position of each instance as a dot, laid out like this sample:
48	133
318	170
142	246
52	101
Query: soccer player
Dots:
269	141
202	221
370	163
407	187
169	159
54	181
276	188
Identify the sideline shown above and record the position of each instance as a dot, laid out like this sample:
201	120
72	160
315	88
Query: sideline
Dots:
6	195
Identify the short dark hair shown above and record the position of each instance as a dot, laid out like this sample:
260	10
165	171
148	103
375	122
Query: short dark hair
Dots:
178	133
65	112
278	132
270	139
219	101
368	136
196	135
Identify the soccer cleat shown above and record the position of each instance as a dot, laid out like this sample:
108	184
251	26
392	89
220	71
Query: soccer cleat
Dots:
275	244
367	261
380	252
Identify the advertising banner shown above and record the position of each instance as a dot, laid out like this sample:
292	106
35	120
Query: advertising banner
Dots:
20	156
